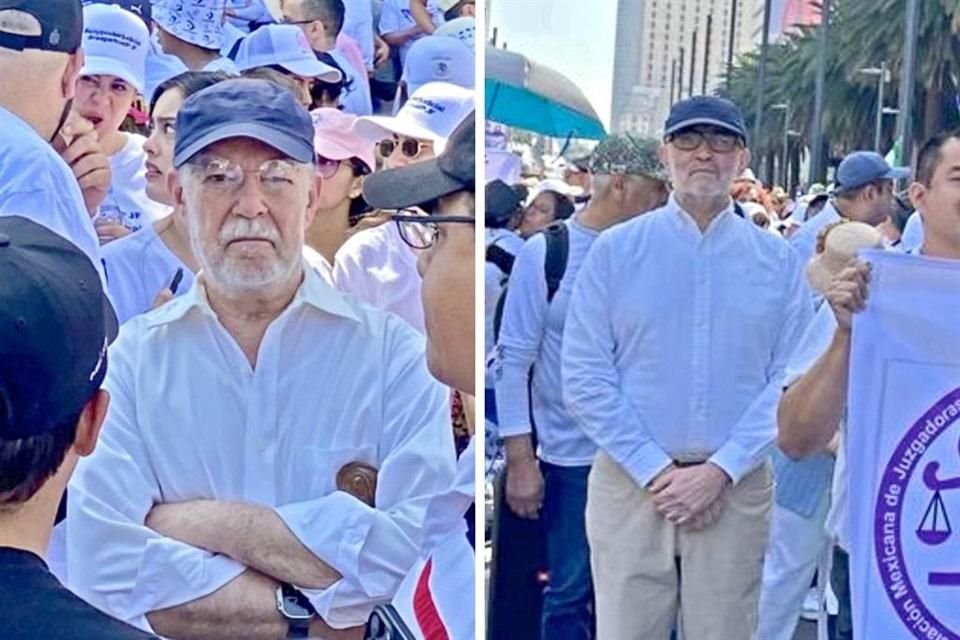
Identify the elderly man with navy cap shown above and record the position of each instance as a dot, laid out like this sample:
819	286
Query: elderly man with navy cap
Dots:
864	192
679	328
272	444
55	325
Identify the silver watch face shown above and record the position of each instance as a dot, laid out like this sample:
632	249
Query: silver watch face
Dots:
289	606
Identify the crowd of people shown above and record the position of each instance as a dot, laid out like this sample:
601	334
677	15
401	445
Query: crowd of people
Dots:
236	256
666	391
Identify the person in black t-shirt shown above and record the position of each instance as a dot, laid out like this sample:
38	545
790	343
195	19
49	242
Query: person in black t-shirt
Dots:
55	325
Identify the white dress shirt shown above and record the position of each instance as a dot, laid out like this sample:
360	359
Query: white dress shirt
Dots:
36	183
378	267
335	382
676	341
531	335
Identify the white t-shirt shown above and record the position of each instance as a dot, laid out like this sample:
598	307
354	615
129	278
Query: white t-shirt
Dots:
912	237
396	16
128	196
36	183
138	267
358	24
493	279
377	266
357	100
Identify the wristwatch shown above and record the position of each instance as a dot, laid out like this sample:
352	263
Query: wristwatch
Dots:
296	608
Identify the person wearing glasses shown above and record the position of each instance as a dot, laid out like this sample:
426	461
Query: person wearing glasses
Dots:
140	267
679	328
379	265
271	445
435	599
321	22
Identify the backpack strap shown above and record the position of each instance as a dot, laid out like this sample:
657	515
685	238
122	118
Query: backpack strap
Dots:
557	236
500	257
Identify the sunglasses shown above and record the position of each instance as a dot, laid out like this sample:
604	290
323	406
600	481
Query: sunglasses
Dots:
326	167
409	147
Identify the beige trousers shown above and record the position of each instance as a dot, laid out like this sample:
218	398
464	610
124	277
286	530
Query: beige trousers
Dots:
644	567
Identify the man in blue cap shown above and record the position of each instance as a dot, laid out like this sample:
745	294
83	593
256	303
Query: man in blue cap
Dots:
272	444
55	325
679	327
864	192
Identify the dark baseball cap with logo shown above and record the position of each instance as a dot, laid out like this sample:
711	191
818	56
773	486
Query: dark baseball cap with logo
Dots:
61	25
55	326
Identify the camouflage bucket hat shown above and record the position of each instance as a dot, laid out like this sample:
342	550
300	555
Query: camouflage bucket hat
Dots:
625	154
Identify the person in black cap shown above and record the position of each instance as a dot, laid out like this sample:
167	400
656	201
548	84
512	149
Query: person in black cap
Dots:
55	325
271	443
679	328
436	597
40	59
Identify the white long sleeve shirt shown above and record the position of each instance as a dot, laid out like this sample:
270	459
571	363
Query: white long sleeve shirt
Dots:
804	239
676	341
531	334
493	279
335	382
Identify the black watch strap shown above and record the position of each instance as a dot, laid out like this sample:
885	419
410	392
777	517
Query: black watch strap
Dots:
298	629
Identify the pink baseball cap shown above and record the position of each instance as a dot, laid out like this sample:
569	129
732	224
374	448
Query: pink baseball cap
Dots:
335	138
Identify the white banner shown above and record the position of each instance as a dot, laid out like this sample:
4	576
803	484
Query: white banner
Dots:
903	451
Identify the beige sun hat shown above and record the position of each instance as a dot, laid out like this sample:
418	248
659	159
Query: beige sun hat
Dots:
837	245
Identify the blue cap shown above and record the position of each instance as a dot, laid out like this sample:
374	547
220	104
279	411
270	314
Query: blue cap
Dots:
244	108
705	110
863	167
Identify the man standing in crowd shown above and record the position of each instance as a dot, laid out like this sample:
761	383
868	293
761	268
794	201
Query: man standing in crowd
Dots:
322	21
680	325
55	325
193	33
444	576
271	445
40	59
629	180
863	193
813	407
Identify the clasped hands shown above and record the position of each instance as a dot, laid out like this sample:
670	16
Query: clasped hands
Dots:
692	496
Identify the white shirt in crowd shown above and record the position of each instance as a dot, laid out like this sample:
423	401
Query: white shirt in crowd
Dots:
36	183
814	343
447	562
355	97
912	237
222	64
396	16
377	266
141	265
493	279
531	334
335	382
804	239
358	24
127	198
676	341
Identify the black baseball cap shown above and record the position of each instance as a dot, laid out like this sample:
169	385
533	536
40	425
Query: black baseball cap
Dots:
705	110
422	182
61	25
55	326
244	108
501	201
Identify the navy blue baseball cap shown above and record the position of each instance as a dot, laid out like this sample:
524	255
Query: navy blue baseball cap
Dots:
863	167
244	108
705	110
55	326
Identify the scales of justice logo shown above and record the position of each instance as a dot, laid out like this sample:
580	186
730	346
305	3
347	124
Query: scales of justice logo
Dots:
916	551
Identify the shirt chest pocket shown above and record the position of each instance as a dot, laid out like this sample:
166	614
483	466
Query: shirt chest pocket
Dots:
319	471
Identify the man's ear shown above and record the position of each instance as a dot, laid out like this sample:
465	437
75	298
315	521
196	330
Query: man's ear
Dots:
745	159
918	195
316	184
175	188
90	422
72	73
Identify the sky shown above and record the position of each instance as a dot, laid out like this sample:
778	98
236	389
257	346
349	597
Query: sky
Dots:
574	37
